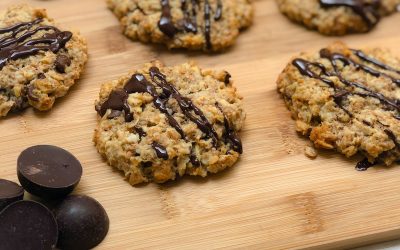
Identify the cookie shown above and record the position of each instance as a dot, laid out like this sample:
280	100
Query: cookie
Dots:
210	25
346	99
159	123
39	62
338	17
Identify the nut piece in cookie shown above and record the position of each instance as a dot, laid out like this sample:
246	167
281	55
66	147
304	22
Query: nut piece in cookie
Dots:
338	17
159	123
210	25
346	99
39	62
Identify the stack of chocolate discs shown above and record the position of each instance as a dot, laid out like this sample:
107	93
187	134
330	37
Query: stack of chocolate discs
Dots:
50	173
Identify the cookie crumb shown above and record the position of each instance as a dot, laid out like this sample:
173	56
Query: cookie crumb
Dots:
310	152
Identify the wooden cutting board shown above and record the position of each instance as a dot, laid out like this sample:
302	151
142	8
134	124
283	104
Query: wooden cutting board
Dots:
274	198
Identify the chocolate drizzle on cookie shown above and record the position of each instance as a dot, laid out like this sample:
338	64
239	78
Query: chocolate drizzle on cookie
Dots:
138	83
320	72
218	11
335	57
230	134
190	110
21	44
367	10
308	69
189	22
379	64
166	24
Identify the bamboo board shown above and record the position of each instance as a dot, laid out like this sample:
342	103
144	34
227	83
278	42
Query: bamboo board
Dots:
274	198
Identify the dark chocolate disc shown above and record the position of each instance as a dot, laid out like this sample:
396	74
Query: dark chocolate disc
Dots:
27	225
48	171
9	192
82	223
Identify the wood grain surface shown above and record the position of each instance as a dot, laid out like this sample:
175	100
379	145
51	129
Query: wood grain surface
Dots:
274	198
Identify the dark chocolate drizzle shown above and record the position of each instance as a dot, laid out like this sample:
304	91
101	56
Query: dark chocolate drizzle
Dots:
334	57
218	11
117	101
166	24
368	11
230	134
189	21
361	55
20	44
207	23
318	71
188	108
306	68
139	84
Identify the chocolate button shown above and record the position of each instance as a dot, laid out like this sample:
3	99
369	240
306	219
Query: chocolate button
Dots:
82	223
9	193
62	61
27	225
48	171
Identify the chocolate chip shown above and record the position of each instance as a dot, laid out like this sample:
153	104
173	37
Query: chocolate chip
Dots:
27	225
32	95
48	171
82	223
20	104
140	132
364	165
193	159
9	192
62	61
114	114
115	101
227	78
41	76
147	164
161	151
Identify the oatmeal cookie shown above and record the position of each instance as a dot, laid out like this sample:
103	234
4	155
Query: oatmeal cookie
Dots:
346	99
38	61
210	25
159	123
338	17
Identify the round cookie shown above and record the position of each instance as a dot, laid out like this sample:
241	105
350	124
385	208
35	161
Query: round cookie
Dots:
346	99
210	25
38	61
159	123
338	17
